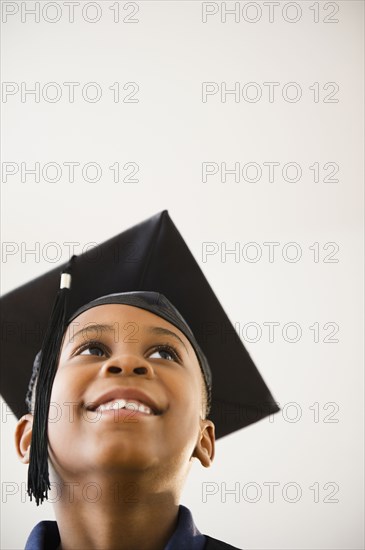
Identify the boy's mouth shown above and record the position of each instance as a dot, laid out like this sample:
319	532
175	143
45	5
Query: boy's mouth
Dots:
125	398
123	404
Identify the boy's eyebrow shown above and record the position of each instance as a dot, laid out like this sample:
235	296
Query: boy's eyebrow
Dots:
167	332
94	327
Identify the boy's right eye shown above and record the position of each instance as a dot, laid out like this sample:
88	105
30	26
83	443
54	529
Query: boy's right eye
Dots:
92	348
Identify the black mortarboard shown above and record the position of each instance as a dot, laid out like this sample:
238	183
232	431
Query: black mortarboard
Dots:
151	256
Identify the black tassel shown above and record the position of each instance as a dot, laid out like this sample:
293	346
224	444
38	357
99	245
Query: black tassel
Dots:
38	475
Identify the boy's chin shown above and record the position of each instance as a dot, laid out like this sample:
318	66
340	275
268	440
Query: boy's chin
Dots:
103	462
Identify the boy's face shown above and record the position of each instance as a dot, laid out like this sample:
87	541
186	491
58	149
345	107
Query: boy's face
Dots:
142	353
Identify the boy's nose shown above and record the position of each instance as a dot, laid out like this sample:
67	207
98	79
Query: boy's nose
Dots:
127	365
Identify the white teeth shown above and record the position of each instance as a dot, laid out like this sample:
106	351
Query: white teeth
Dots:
120	404
123	404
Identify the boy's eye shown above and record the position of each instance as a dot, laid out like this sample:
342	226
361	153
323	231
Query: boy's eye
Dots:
92	349
164	352
98	350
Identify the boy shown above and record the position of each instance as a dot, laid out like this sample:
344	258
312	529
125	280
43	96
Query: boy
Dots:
132	411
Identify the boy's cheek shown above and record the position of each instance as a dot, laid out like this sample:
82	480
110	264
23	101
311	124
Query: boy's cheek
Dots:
63	414
67	391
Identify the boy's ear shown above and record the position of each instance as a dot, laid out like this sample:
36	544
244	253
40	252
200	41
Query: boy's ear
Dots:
205	447
23	436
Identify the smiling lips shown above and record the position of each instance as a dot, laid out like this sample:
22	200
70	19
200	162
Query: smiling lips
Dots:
123	404
125	398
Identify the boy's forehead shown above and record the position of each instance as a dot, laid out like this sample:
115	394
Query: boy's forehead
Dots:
114	310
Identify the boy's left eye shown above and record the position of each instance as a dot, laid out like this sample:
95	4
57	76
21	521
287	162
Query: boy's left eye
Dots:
92	349
164	352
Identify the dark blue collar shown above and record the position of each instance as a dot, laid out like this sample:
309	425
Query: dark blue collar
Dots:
45	535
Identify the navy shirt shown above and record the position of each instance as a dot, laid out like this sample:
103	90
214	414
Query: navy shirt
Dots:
45	535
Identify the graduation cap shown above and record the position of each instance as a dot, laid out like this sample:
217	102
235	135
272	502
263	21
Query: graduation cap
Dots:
152	263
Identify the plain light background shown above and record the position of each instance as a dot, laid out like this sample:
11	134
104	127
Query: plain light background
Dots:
169	52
